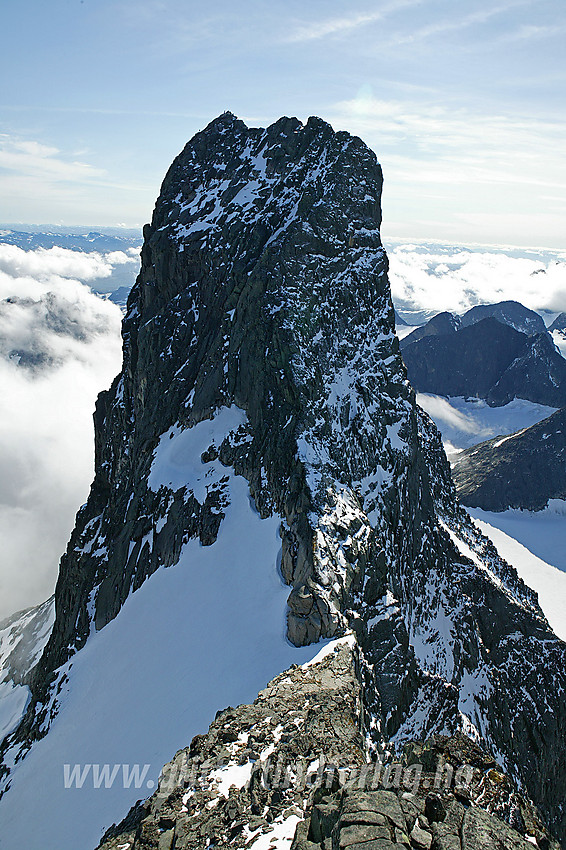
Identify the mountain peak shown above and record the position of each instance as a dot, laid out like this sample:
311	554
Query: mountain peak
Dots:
261	367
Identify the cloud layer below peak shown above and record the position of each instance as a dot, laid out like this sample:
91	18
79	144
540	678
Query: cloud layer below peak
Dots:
433	277
60	346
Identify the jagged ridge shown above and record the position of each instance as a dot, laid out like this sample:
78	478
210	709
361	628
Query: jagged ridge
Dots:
523	470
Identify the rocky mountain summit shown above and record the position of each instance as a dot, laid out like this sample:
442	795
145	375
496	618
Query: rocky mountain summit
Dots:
559	324
523	470
439	325
260	348
510	313
486	359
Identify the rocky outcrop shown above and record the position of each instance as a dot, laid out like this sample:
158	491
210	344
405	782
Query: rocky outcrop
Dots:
292	770
439	325
489	360
559	324
523	470
22	640
263	290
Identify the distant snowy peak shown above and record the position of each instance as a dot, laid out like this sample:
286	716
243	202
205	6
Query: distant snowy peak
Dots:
522	470
22	640
75	239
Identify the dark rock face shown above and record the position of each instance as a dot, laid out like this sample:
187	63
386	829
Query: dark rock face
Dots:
559	324
508	313
298	764
439	325
264	285
488	360
523	470
467	362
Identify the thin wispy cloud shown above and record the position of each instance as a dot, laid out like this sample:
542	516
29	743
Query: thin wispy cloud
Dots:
532	32
338	26
437	128
82	110
58	182
507	166
458	23
29	157
441	409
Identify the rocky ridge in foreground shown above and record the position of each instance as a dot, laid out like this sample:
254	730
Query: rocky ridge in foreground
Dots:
291	770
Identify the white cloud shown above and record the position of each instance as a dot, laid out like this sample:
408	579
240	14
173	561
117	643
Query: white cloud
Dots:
29	157
43	263
438	278
442	412
531	32
458	22
457	173
59	346
456	144
59	187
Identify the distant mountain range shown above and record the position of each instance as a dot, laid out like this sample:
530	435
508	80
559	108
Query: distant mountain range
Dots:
75	239
507	312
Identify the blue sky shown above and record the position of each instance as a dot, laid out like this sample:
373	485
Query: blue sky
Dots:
463	103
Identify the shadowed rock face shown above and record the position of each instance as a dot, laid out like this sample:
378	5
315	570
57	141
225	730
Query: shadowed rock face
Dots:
509	313
523	470
490	360
264	285
439	325
559	324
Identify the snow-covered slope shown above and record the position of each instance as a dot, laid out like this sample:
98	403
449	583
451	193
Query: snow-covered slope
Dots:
464	422
535	543
203	634
559	338
22	640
